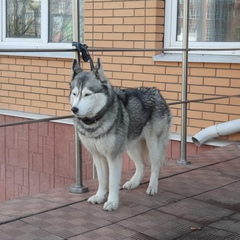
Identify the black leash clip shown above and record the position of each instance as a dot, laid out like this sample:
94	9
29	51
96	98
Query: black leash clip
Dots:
82	48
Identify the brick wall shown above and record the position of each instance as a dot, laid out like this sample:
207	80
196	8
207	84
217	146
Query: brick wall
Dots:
35	85
41	85
37	157
41	156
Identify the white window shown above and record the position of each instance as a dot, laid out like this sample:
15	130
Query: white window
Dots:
38	24
212	24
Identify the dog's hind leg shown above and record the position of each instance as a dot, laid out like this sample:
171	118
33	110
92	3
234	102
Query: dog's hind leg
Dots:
102	173
136	154
157	156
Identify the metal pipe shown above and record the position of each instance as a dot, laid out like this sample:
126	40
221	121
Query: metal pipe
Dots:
71	116
218	130
183	160
203	99
5	50
34	121
78	187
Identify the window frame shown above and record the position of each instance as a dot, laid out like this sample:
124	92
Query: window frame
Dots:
170	32
32	43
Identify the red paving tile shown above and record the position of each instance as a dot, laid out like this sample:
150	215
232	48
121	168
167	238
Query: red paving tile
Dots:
199	201
197	211
231	168
231	223
208	233
183	186
226	197
22	231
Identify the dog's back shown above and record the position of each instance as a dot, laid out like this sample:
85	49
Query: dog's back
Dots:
144	106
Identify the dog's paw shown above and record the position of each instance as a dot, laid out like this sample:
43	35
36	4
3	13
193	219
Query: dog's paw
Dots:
110	206
130	185
152	190
96	199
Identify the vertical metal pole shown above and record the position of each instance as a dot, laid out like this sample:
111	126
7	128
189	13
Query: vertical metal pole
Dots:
78	187
183	160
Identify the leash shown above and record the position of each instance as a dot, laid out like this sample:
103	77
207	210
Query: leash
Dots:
83	49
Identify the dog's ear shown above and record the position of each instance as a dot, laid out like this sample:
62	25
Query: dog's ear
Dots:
98	70
75	68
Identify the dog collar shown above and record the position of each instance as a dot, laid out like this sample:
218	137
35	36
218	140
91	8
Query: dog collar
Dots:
89	121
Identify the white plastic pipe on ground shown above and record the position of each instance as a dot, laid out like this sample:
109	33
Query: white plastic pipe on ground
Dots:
221	129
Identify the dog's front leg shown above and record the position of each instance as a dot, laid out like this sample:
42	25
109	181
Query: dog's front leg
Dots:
102	173
115	168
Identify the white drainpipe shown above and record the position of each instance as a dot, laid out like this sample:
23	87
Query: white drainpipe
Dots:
222	129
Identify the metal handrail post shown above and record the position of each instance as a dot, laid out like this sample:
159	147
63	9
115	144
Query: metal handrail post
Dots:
183	160
78	187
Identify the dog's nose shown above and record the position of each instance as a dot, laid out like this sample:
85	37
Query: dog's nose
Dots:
74	110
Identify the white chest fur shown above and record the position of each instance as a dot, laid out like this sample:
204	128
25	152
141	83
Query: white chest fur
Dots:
103	145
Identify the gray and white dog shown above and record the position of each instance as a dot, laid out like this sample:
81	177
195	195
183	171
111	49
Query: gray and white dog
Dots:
109	121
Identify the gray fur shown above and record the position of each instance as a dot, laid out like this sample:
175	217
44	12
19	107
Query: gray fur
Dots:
130	120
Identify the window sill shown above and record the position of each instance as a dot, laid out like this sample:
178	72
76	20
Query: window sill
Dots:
206	58
36	54
33	116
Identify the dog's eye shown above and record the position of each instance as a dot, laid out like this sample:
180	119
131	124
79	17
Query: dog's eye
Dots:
74	94
87	94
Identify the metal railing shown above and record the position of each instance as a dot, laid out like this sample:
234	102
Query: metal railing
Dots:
79	187
13	50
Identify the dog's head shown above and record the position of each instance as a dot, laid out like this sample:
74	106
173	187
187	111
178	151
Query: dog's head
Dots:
88	90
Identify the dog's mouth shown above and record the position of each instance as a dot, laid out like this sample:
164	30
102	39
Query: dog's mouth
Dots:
90	120
87	121
80	117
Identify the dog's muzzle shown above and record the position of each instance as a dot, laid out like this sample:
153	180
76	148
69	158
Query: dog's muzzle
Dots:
74	110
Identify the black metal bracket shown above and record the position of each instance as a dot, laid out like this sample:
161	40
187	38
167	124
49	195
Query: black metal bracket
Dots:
83	49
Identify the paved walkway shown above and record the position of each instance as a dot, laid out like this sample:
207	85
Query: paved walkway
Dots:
199	201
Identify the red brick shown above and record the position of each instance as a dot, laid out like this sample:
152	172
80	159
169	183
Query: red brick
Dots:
23	153
48	159
9	171
23	191
34	185
175	149
2	172
37	162
18	176
72	164
26	177
2	149
9	188
45	182
2	191
51	131
9	138
43	129
69	132
33	140
62	157
59	181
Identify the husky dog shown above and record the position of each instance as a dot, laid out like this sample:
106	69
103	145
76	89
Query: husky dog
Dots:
109	121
